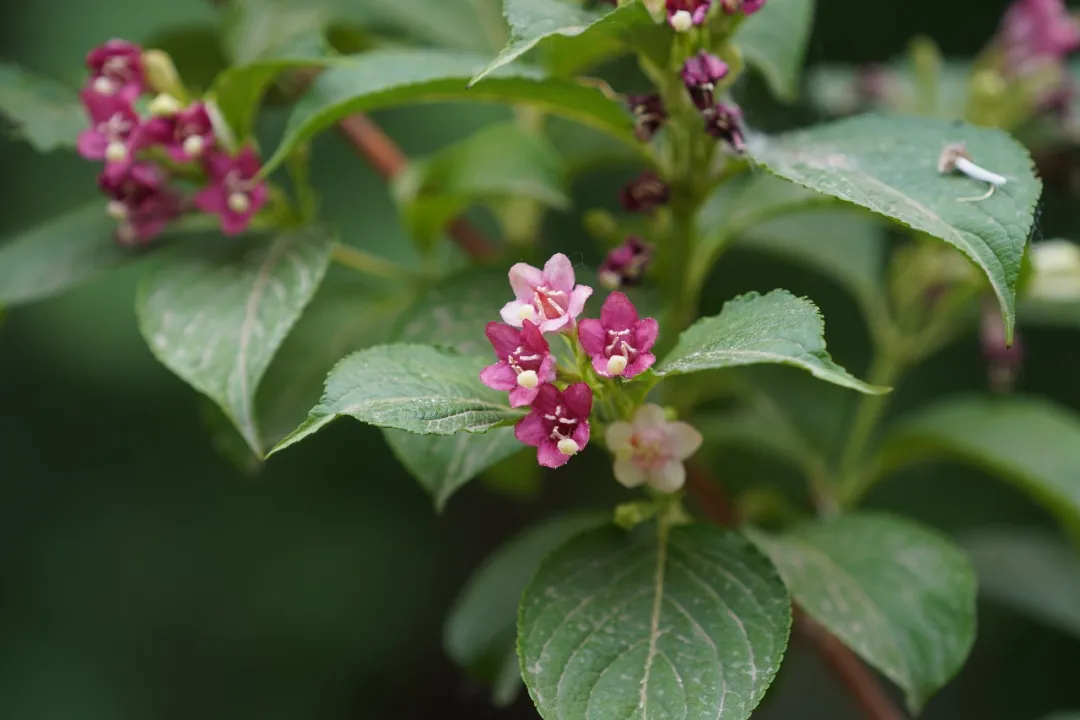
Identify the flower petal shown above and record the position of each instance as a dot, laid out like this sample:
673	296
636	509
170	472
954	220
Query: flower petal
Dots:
556	324
523	280
522	396
548	454
618	436
683	440
628	474
91	144
559	273
532	338
581	435
578	399
547	370
511	312
599	364
645	334
618	313
670	477
640	365
530	430
578	298
499	376
591	335
649	416
211	199
547	399
503	338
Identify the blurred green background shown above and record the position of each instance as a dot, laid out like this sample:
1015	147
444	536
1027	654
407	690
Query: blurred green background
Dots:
143	576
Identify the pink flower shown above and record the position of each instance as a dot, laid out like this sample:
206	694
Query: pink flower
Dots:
752	6
140	200
724	122
651	450
700	74
644	193
113	122
186	135
619	342
748	7
548	297
685	14
233	192
625	265
525	362
649	115
117	69
558	425
1037	30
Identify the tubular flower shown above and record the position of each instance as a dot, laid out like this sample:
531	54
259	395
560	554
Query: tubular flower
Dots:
651	449
558	426
116	69
685	14
525	362
547	297
619	342
186	134
233	192
113	122
700	74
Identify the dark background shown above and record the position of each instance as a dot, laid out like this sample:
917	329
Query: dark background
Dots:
142	576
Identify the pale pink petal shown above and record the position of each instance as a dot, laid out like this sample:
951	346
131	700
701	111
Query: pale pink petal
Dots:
578	398
523	280
618	313
258	196
649	416
592	336
523	396
499	376
628	474
683	440
599	364
548	454
503	338
91	144
559	273
643	362
512	312
670	477
581	435
578	298
618	436
211	199
547	370
530	430
645	334
556	324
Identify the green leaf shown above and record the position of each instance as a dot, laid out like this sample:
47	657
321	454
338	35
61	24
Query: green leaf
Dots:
898	594
889	165
1064	716
418	388
586	35
618	625
1027	441
45	113
397	77
1030	571
480	631
499	162
773	328
774	40
60	254
216	315
255	30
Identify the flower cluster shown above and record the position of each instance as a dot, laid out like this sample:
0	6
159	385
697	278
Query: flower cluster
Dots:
548	302
1037	36
683	15
145	155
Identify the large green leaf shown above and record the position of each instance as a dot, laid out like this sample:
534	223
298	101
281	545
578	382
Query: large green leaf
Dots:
586	35
397	77
60	254
1064	716
774	40
1028	441
889	165
645	624
1030	571
216	315
418	388
254	30
751	329
481	629
898	594
47	114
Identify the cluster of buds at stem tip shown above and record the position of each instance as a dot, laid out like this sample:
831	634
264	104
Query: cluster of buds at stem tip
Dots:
723	121
625	266
135	179
617	345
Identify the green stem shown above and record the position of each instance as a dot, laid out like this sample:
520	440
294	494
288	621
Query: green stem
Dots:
368	264
885	369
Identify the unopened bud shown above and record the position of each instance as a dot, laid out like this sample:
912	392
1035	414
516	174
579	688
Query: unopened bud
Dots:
610	280
193	146
616	364
528	379
164	105
161	73
116	152
568	447
682	21
239	202
116	210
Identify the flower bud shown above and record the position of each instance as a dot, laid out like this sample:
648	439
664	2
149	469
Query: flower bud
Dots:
528	379
164	105
568	447
161	73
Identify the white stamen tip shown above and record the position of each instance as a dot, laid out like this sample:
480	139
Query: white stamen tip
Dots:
116	210
239	202
116	151
526	312
164	105
193	147
616	364
104	86
528	379
682	21
610	280
568	447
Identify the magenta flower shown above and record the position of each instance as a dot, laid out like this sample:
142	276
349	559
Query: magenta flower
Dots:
1033	31
752	6
685	14
140	200
724	122
234	193
547	297
558	426
116	69
524	364
619	342
625	265
185	135
700	74
113	122
652	449
644	193
649	115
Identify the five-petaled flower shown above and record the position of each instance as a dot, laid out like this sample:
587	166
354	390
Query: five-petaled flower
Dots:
113	123
116	69
651	449
234	191
547	297
558	426
700	74
619	342
625	265
525	362
685	14
186	134
140	200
